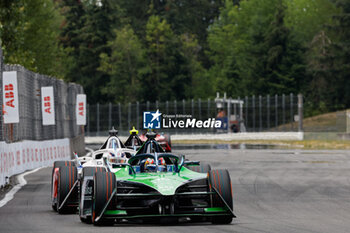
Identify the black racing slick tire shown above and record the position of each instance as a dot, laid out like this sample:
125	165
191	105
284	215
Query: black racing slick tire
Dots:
220	181
66	179
104	184
57	164
87	171
168	140
90	171
202	168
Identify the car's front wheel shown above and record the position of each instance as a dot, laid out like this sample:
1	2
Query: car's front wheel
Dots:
104	184
220	181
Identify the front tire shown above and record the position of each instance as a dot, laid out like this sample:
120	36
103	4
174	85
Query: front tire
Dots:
104	184
221	181
86	172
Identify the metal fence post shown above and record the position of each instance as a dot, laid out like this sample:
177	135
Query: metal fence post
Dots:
284	111
246	112
276	111
88	119
300	112
199	109
98	119
137	114
291	111
260	113
147	105
129	114
120	116
268	111
184	106
208	108
192	106
167	107
109	115
253	106
175	109
157	104
229	101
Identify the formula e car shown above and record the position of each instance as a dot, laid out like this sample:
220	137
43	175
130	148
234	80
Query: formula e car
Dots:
133	141
66	175
155	185
163	139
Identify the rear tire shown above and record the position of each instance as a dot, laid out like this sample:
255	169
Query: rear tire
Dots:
202	168
104	184
168	140
57	164
221	181
66	179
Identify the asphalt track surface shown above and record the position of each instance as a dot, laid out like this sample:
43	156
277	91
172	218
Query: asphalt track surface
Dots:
274	191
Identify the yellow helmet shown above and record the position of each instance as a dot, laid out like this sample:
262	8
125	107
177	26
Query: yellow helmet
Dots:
134	130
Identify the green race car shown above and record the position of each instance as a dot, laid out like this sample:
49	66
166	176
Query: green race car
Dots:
155	185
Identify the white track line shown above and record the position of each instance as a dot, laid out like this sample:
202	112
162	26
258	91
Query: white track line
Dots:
9	196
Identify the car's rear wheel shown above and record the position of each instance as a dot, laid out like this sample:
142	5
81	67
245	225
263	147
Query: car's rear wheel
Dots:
221	181
202	168
168	140
104	184
54	180
67	176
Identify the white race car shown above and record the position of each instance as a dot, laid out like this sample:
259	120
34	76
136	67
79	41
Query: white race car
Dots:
66	175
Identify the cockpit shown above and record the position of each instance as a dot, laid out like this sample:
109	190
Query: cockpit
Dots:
112	142
146	163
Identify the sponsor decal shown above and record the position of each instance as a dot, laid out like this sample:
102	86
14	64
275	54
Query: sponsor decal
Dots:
10	97
80	109
47	105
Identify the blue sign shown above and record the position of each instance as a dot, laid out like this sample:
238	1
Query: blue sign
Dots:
151	120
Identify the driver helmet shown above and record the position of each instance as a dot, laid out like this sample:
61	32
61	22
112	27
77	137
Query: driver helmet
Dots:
150	165
161	161
111	157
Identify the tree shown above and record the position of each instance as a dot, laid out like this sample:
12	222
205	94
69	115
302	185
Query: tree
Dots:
125	66
308	18
160	52
29	32
340	55
284	66
89	26
321	89
11	28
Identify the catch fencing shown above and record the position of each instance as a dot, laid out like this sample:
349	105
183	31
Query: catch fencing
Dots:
30	126
279	113
30	144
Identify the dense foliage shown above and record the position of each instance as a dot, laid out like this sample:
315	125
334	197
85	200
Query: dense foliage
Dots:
148	50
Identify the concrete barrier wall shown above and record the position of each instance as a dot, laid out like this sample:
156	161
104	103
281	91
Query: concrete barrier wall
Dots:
18	157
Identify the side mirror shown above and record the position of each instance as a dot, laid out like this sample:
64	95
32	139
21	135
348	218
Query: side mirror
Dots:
196	163
128	155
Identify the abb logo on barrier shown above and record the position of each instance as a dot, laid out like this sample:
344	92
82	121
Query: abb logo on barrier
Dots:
10	97
80	109
47	104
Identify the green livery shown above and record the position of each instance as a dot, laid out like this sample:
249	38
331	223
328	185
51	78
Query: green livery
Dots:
157	185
